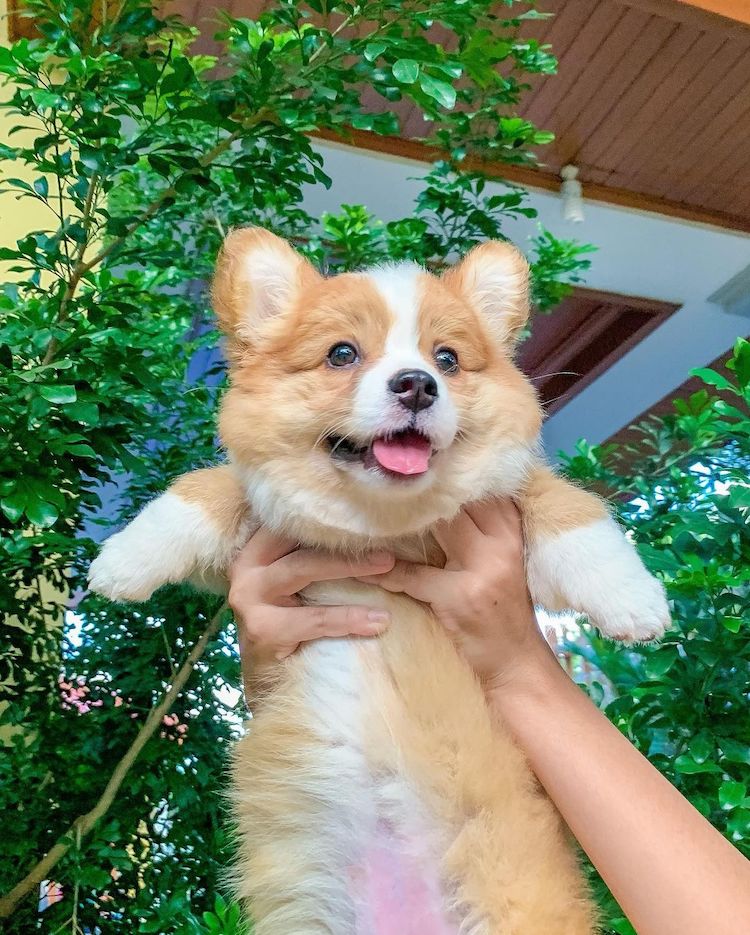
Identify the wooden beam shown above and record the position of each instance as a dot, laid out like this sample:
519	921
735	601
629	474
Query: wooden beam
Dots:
538	178
738	10
703	14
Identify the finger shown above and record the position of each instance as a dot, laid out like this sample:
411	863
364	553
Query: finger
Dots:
496	518
418	581
298	569
302	624
459	538
263	548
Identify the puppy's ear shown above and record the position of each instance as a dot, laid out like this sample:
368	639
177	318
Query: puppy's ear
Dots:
258	275
494	277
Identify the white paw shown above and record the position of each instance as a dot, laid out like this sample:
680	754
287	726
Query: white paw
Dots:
122	573
168	541
596	571
634	610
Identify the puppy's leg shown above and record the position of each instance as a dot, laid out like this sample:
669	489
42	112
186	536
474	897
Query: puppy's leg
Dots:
578	558
188	533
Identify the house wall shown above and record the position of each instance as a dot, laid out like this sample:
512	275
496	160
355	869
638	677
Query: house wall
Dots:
17	216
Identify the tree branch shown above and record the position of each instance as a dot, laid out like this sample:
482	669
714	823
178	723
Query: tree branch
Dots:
86	822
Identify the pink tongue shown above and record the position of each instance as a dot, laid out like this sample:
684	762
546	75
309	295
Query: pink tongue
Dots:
405	454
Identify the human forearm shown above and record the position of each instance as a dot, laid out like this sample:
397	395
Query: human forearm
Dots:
671	871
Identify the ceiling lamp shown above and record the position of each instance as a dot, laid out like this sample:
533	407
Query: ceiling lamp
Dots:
572	195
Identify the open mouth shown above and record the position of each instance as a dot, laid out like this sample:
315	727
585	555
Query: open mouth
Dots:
401	454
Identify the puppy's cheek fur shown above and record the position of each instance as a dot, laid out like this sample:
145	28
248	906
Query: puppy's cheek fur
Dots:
595	570
288	425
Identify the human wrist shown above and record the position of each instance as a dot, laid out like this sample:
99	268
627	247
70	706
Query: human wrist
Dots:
536	675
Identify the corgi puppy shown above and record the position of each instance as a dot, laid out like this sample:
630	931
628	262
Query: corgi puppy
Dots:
372	792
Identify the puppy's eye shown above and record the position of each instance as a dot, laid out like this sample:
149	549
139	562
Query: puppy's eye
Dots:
446	359
341	355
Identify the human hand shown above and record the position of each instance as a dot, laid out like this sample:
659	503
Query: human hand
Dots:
264	582
480	596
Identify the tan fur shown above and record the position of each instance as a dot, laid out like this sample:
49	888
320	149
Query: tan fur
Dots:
281	388
445	323
551	505
218	492
232	292
508	847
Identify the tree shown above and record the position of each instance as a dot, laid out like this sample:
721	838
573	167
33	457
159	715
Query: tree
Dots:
144	154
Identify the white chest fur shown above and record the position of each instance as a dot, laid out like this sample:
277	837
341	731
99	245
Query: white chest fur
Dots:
362	853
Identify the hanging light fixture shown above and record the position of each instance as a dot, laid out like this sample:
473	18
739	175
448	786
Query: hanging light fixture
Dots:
572	195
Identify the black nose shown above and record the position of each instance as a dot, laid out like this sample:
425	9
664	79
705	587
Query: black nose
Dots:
415	389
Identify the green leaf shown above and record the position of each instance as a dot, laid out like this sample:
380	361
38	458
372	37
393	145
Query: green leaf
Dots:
406	71
441	91
687	765
131	463
363	121
622	926
732	794
734	751
59	393
714	379
374	50
733	624
741	362
660	662
84	412
701	747
82	451
14	505
738	824
41	513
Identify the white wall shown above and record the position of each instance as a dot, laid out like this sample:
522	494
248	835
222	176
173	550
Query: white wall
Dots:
638	254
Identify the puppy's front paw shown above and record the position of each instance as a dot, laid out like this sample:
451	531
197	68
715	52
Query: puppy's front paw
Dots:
633	609
121	572
158	547
596	571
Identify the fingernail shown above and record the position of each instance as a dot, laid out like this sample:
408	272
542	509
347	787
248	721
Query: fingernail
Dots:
379	616
380	558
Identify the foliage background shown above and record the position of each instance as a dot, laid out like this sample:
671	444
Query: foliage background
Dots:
144	154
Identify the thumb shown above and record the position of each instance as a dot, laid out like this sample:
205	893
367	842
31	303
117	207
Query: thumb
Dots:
418	581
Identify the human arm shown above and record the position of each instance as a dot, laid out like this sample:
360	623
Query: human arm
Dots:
671	871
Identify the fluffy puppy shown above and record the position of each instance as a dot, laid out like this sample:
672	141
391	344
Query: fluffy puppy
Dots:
372	793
